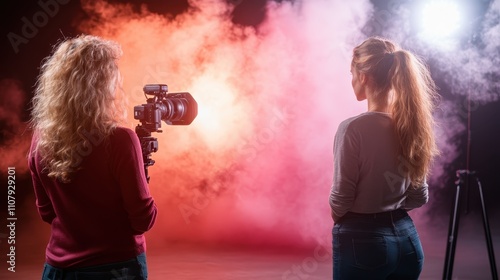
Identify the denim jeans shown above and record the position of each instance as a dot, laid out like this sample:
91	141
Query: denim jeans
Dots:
133	269
376	246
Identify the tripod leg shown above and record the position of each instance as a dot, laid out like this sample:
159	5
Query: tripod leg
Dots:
487	232
452	236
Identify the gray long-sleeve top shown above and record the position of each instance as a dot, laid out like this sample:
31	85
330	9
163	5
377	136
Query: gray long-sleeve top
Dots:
369	176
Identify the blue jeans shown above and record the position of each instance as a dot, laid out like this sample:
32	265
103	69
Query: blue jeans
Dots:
376	246
133	269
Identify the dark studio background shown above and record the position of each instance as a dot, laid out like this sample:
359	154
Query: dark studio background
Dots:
22	68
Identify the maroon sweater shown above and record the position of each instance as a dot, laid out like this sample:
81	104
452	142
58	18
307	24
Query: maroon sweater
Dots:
101	215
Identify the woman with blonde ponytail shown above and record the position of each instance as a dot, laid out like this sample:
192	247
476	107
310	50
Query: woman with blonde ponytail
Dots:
381	160
87	170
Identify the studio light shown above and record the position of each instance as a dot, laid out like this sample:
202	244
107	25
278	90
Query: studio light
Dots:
440	22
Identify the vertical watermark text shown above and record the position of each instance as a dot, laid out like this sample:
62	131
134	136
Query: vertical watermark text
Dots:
11	219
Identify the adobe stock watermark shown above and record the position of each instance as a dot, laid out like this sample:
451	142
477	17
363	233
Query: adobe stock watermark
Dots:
122	274
199	202
322	254
376	25
11	219
468	106
235	2
31	27
392	179
205	194
267	134
249	150
309	265
382	19
85	148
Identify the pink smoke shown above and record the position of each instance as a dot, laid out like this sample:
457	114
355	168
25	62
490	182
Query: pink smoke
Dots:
255	167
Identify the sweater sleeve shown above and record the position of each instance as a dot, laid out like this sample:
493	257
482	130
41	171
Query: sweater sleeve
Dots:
43	203
129	170
346	171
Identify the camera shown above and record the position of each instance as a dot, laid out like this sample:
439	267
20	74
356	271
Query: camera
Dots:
177	108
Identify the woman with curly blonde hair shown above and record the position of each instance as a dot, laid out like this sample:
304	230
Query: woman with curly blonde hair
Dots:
87	170
381	160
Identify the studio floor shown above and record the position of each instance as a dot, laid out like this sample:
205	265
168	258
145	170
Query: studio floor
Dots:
184	263
190	262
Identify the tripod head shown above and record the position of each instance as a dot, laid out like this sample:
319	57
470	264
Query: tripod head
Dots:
463	174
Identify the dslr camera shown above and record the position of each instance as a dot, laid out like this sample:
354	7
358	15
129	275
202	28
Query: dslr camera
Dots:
177	108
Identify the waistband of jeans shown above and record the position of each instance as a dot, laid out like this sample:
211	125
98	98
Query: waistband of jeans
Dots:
102	267
394	215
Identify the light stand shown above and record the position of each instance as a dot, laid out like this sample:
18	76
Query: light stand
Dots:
441	19
463	176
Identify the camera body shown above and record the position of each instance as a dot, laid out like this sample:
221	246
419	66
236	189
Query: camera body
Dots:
178	108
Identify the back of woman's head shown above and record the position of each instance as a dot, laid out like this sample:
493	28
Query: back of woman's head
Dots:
76	96
403	80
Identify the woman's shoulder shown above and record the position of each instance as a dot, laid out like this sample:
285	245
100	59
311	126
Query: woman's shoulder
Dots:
121	133
365	122
121	130
367	118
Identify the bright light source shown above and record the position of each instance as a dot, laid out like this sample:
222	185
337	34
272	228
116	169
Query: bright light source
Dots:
440	20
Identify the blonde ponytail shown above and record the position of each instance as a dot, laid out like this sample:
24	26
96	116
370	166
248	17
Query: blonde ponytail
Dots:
404	80
413	102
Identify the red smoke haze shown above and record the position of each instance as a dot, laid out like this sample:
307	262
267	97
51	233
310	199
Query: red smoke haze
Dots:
255	166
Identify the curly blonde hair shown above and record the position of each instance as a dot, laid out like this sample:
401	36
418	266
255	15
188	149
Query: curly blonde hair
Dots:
399	76
77	94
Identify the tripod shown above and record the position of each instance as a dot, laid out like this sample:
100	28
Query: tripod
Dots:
453	227
148	145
